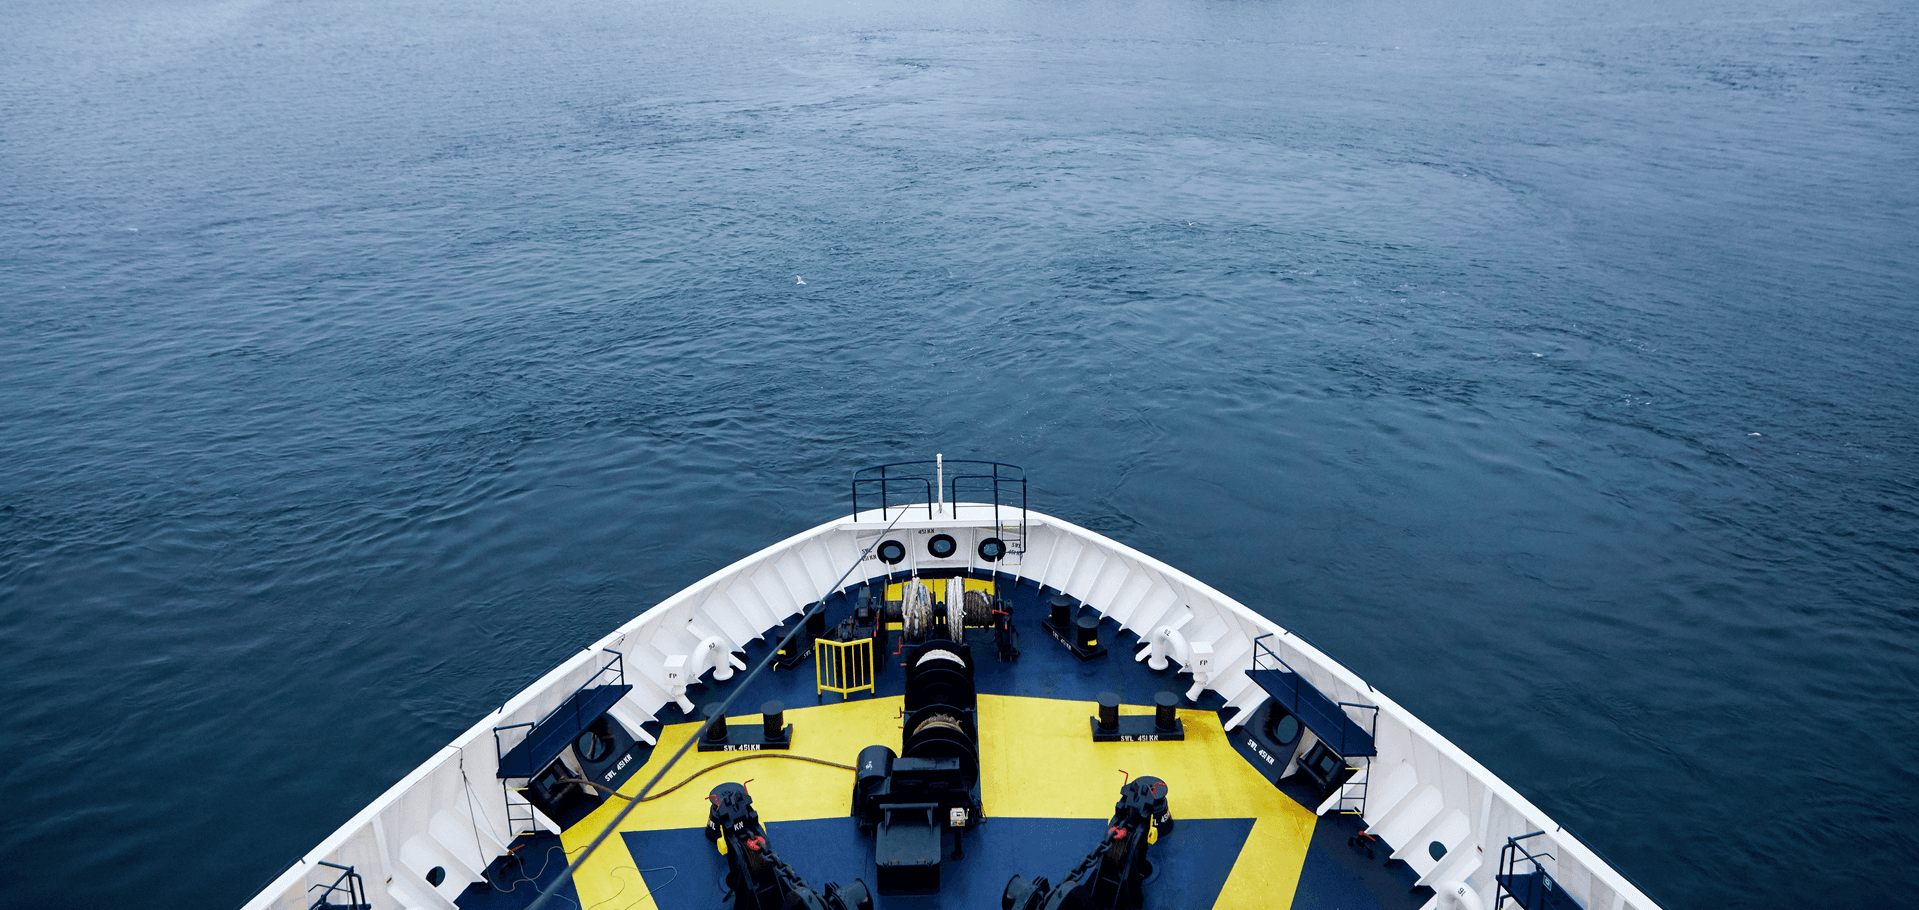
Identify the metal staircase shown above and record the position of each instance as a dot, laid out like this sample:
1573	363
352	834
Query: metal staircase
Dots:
1352	794
519	812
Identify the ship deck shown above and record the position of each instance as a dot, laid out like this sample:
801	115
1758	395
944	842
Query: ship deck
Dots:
1047	790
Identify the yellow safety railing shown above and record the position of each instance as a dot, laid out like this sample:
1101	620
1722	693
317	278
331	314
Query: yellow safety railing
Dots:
845	667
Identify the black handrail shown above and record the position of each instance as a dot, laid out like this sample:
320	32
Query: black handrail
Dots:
617	665
994	480
354	887
1372	729
1299	681
886	499
919	476
1509	859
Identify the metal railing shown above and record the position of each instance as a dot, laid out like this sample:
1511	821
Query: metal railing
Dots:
1534	890
1300	682
616	666
520	817
348	883
844	667
933	484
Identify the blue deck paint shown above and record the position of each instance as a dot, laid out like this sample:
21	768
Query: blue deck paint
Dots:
1192	863
515	880
1337	875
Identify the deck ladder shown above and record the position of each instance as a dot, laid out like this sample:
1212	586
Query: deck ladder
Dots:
519	812
1352	794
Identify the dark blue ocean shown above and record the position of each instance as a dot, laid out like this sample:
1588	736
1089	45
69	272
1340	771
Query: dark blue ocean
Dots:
1553	365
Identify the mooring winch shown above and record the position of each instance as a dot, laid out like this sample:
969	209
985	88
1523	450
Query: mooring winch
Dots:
906	801
1109	878
759	878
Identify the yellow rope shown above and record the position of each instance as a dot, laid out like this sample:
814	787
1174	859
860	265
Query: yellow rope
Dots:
690	778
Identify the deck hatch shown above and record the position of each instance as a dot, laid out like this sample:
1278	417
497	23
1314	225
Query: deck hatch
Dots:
1320	714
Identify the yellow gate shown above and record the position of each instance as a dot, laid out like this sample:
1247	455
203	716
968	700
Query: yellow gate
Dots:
843	666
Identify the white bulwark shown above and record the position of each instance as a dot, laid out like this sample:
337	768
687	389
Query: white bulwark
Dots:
451	812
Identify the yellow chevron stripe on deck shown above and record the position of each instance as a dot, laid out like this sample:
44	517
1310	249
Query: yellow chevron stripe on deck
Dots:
782	789
1037	760
1053	769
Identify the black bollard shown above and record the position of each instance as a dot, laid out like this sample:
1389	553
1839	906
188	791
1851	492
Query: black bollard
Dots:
1088	638
1165	716
1062	616
774	725
1108	712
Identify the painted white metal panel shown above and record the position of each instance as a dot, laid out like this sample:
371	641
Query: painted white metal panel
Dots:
815	571
1397	784
1106	585
1161	606
1450	830
1041	550
1064	559
1398	826
1086	570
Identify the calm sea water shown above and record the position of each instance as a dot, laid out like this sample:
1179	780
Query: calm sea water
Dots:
1550	364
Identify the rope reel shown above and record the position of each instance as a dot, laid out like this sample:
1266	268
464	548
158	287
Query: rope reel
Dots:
916	611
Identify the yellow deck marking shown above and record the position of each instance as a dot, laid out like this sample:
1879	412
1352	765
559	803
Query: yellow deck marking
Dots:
1269	864
782	790
1051	769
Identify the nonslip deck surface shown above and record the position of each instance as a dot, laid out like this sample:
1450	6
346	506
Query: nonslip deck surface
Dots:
1047	790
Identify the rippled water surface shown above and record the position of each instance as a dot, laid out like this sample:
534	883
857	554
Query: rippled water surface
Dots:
1551	364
